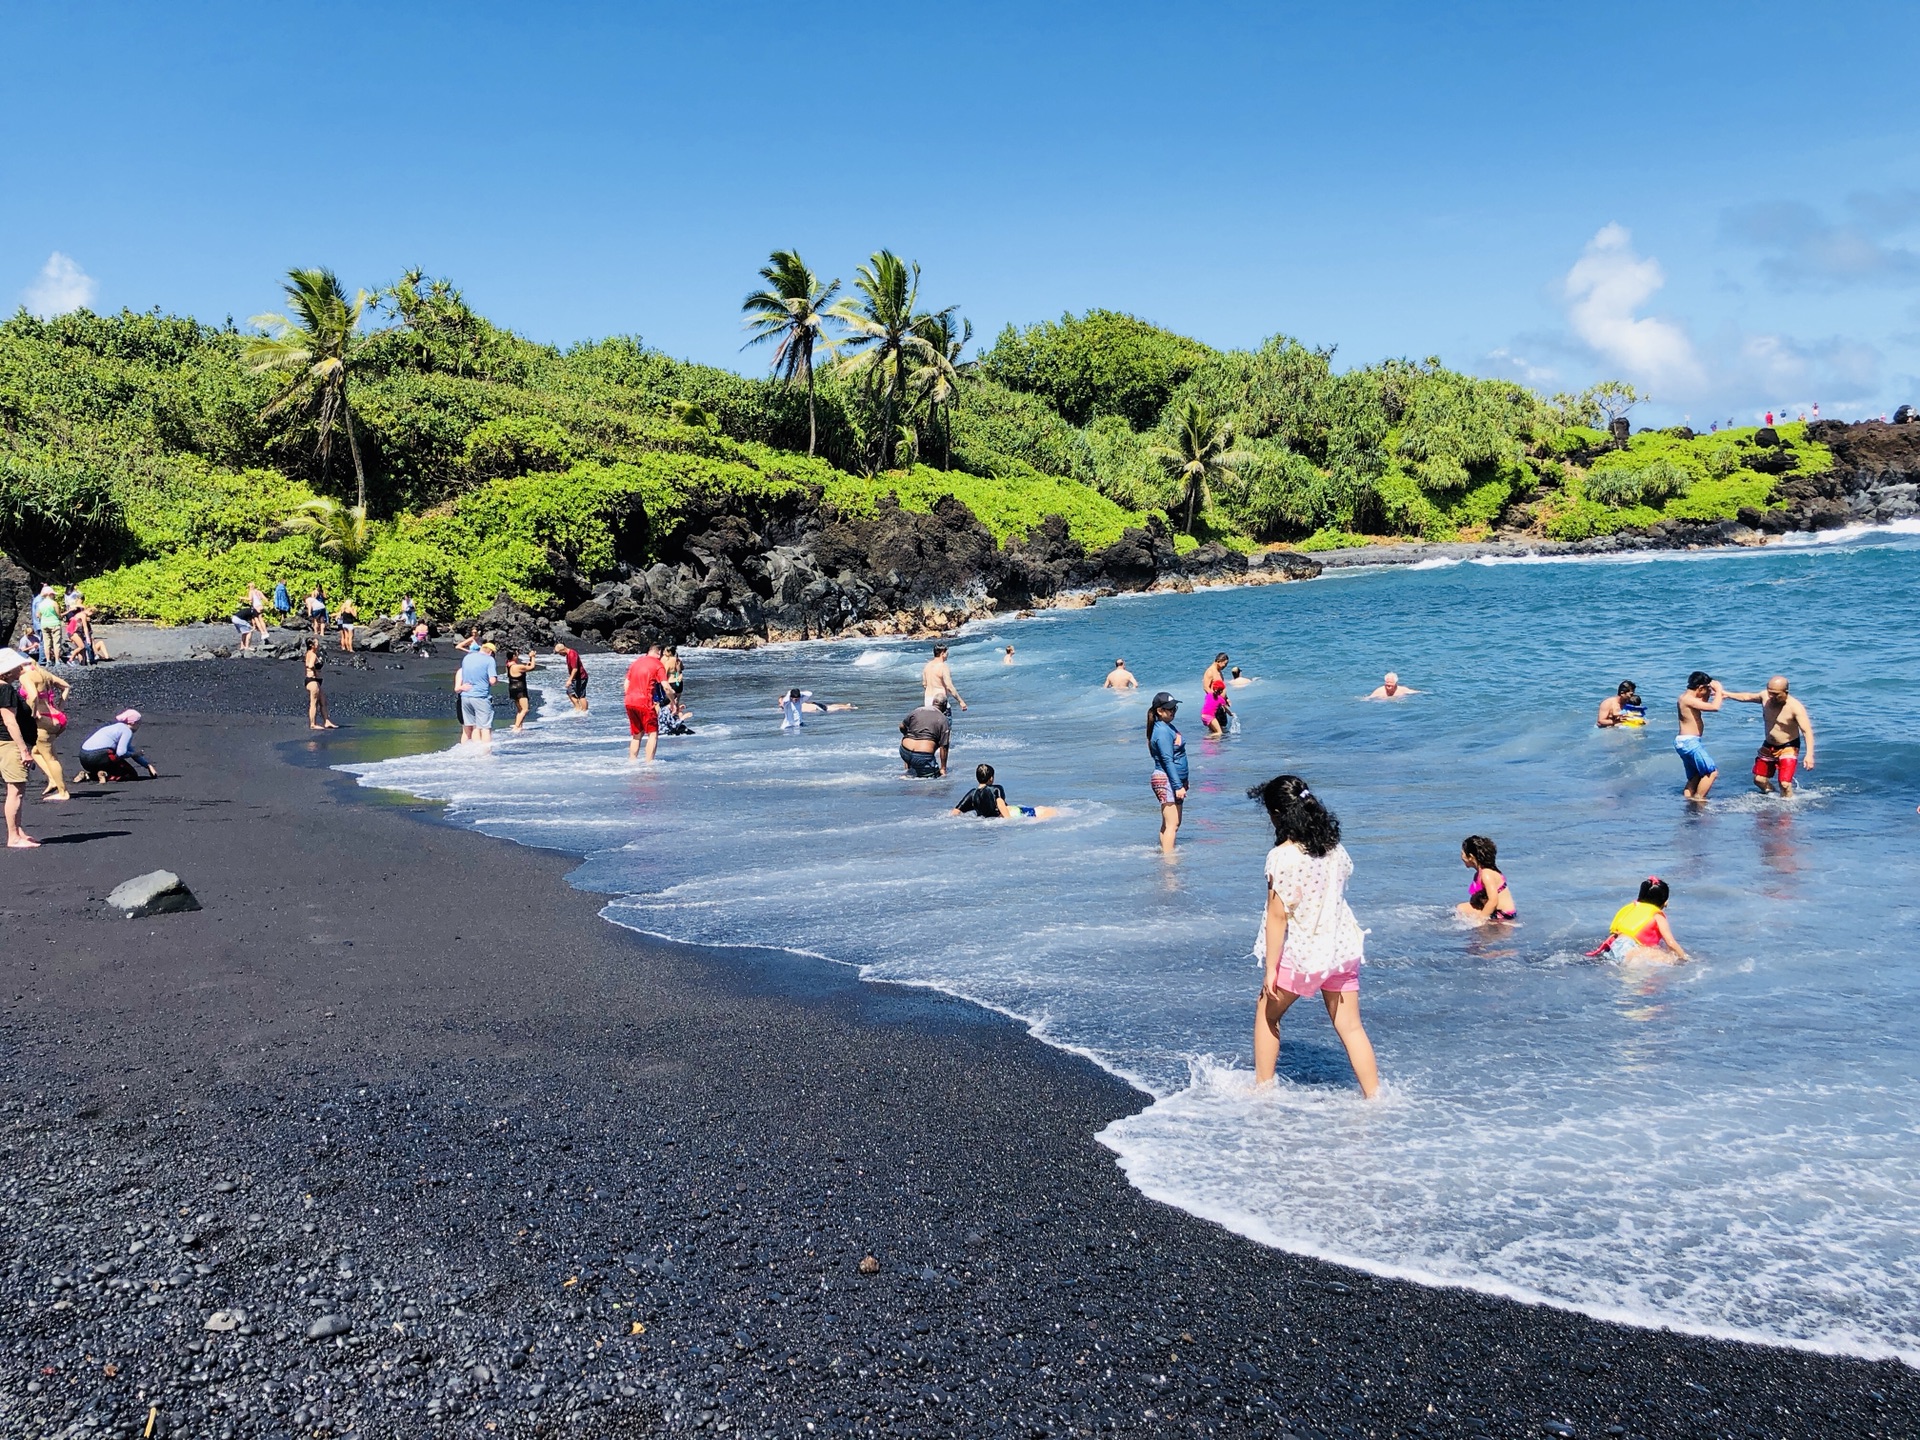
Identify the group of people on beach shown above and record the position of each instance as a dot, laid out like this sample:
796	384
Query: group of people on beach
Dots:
33	716
61	630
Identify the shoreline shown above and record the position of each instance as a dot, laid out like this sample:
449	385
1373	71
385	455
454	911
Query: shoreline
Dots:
494	1157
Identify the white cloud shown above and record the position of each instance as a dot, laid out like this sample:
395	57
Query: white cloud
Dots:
1804	250
1606	285
62	286
1524	369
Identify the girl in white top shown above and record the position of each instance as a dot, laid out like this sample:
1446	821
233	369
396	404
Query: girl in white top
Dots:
1309	942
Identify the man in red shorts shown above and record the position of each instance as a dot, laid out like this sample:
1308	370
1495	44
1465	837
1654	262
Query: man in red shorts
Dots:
1788	728
643	716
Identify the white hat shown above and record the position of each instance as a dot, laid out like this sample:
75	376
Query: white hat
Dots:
11	660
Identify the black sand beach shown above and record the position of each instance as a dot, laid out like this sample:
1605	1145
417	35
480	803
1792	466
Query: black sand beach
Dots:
472	1161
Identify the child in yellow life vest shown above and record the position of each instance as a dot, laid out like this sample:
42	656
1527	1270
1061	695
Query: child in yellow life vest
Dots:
1643	924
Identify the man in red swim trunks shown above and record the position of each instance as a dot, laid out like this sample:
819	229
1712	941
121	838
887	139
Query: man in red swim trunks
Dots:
643	716
1788	727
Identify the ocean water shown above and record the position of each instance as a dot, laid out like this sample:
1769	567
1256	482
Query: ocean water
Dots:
1730	1146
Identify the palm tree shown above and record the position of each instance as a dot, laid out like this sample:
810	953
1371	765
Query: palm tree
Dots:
793	312
885	337
339	533
315	350
1201	455
936	383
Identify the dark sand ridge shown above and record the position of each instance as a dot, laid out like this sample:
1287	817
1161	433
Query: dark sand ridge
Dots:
400	1073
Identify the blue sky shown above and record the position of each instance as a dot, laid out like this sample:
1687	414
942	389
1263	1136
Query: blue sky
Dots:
1720	203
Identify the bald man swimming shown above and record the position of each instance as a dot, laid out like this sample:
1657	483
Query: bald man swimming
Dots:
1789	726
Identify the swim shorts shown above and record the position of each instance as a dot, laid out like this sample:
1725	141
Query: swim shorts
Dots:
1785	758
577	684
643	720
1162	788
476	710
921	767
1032	812
1345	980
13	769
1693	754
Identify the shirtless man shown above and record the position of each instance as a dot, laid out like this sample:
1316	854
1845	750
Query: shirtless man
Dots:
1788	724
1623	707
1121	678
1390	688
936	680
1702	696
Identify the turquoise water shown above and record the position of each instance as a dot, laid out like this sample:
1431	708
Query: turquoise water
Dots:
1731	1146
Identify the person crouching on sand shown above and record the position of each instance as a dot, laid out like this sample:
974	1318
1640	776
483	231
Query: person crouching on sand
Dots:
1640	930
1309	941
110	754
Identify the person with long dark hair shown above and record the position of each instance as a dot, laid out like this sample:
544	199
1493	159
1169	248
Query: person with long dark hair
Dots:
1169	754
1488	898
1309	941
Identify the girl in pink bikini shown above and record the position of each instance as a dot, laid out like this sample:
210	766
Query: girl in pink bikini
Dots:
1488	901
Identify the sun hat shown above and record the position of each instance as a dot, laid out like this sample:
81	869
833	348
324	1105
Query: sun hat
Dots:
11	660
128	717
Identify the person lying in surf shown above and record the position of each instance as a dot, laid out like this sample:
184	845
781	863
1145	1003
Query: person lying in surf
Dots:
989	801
1640	930
1488	901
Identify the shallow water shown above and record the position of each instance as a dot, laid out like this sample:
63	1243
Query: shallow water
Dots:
1731	1146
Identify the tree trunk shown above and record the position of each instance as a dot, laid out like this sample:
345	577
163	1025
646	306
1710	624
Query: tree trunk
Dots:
887	437
353	444
1193	494
811	431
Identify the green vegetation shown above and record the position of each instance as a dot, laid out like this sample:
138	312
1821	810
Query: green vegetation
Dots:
171	463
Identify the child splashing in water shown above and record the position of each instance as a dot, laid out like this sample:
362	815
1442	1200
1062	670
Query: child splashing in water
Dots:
1640	930
1488	899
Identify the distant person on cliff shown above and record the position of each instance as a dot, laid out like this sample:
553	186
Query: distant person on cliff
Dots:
1390	688
989	801
1623	707
474	682
576	677
110	754
936	681
1702	697
16	743
1168	752
1309	942
643	712
1213	688
315	662
1121	678
925	737
1788	727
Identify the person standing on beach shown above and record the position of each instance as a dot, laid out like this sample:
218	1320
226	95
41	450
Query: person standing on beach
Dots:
16	744
315	661
643	715
1120	678
576	677
936	680
257	602
282	602
38	683
474	682
349	617
1169	755
1309	942
46	623
1788	726
317	612
1213	689
926	735
1390	688
518	668
1702	696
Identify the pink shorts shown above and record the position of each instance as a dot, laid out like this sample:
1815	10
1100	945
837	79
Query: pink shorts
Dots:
1344	981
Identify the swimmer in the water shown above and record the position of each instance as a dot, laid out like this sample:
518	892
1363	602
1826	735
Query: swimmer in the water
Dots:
1007	659
1788	726
1121	678
797	704
1236	679
936	681
1642	926
1390	688
1488	898
989	801
1623	707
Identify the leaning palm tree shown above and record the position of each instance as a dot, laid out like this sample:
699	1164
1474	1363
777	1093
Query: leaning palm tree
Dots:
935	383
884	337
315	350
793	312
1201	455
341	534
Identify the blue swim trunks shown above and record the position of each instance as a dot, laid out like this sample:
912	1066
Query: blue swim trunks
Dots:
1693	755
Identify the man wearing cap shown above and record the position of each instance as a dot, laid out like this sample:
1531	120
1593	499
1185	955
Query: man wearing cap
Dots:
475	683
1702	696
109	753
16	744
1169	754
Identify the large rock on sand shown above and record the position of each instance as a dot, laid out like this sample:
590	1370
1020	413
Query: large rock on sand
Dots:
159	892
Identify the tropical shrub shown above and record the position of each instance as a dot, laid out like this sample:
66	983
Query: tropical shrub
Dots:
514	445
193	584
1100	363
59	515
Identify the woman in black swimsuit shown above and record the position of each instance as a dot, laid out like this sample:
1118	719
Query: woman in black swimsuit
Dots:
317	718
517	668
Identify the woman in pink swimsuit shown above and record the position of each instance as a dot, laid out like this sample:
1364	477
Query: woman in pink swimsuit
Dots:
1214	685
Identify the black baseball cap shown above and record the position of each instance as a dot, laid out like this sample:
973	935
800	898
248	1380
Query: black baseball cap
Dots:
1164	701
